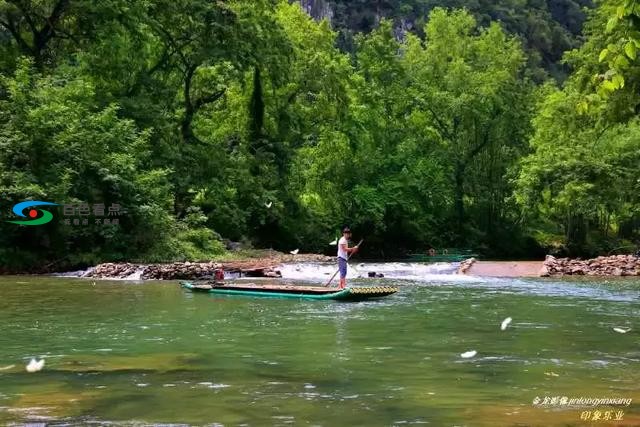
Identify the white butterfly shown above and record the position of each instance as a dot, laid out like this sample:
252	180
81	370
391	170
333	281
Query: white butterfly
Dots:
468	354
268	205
35	365
295	252
505	323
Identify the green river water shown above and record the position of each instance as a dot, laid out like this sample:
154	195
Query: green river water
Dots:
148	353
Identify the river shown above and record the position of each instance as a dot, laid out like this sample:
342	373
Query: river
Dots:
125	352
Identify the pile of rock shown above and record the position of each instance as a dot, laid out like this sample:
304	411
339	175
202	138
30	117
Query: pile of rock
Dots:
180	270
264	266
615	265
110	269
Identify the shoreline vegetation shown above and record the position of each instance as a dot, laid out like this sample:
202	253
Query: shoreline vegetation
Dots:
166	127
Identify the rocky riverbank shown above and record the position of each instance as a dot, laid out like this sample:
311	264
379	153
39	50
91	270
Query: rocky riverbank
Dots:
261	267
269	266
615	265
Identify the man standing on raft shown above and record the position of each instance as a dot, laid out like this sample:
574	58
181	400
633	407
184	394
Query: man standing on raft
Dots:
344	252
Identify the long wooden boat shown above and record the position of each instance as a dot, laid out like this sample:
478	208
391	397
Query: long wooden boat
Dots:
292	291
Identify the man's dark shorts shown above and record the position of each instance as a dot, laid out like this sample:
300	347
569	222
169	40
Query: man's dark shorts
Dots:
342	266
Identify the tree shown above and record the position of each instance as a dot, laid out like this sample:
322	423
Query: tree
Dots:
623	41
581	181
578	189
57	146
34	26
470	85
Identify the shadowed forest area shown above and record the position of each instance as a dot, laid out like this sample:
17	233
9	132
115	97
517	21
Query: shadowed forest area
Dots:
507	127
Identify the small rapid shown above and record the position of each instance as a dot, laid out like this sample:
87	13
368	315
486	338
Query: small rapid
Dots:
75	273
427	274
412	271
321	271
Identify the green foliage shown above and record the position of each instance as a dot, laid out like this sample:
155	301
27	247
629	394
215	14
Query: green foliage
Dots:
185	244
470	86
581	181
245	120
546	28
622	33
57	146
425	116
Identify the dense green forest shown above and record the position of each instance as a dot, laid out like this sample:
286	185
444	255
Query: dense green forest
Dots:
419	123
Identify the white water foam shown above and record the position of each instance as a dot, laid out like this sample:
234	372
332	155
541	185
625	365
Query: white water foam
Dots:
420	272
136	275
322	271
77	273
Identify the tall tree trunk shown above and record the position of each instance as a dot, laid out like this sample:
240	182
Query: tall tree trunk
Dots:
256	108
189	110
40	37
459	198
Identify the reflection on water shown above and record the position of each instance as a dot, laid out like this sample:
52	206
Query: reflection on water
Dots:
151	353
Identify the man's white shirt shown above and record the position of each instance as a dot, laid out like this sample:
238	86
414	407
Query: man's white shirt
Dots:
341	252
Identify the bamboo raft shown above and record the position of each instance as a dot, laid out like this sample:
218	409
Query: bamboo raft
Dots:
292	291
